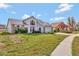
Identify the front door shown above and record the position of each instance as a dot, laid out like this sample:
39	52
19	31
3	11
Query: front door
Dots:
40	30
32	29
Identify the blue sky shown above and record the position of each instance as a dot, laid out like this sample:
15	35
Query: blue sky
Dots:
48	12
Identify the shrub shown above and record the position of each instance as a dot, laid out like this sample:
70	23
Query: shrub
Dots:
5	33
16	30
56	30
19	30
67	31
36	32
51	32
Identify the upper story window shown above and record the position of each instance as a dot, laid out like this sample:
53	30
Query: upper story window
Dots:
32	22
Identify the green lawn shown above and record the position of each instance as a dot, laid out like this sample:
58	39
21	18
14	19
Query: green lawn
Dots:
29	44
75	32
75	47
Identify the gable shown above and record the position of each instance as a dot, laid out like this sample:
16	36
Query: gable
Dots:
36	21
30	20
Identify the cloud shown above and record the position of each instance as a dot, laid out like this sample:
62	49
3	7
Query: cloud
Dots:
51	19
38	15
57	19
64	7
33	13
3	5
13	12
25	16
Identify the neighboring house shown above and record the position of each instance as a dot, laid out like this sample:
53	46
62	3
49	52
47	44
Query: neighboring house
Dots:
59	26
31	24
77	26
69	27
2	28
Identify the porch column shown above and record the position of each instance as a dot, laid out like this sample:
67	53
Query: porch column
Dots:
29	30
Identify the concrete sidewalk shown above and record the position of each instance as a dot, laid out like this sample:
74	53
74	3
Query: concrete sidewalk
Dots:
64	48
64	33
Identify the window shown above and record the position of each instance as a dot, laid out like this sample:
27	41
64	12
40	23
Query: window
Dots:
39	29
32	22
18	26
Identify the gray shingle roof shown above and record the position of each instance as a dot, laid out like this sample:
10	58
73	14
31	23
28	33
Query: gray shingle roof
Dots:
21	22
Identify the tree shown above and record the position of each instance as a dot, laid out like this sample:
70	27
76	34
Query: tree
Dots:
71	22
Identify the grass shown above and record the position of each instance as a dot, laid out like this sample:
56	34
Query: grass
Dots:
75	47
75	32
30	45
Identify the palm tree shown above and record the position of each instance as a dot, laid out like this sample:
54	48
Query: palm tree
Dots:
71	22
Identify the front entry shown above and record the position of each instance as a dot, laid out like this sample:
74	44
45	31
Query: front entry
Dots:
32	29
40	30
